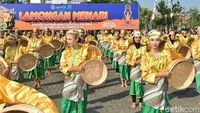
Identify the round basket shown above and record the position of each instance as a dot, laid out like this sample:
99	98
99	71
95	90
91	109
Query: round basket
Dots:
95	72
185	51
182	74
57	44
190	41
94	51
46	50
93	42
2	67
21	108
27	62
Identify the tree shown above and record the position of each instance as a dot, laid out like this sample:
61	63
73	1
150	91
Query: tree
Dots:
168	18
193	17
144	14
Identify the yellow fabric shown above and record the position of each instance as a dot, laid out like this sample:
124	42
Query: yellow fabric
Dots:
34	43
122	46
151	67
114	45
144	40
47	39
170	46
12	54
3	61
67	60
182	39
134	54
195	47
14	93
89	38
1	43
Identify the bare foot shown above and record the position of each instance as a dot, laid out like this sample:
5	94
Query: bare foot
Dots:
48	72
122	85
133	105
140	104
35	86
126	85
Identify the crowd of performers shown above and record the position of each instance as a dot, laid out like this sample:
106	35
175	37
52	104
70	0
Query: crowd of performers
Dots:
139	58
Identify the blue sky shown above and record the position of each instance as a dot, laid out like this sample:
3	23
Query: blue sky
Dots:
186	3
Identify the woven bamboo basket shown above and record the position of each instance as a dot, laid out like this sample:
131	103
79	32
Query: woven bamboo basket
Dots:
95	72
46	50
57	44
28	62
21	108
185	51
182	74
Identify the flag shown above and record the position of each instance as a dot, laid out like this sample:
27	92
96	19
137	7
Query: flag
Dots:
170	6
153	16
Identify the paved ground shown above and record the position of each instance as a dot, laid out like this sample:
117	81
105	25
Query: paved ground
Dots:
111	98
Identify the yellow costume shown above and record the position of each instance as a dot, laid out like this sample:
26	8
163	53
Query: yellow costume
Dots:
196	50
75	95
134	54
34	43
47	39
151	67
15	93
172	46
12	54
183	39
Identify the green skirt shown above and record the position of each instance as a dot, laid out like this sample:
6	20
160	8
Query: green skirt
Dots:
20	79
106	52
38	71
124	72
69	106
115	64
136	89
148	109
57	56
110	54
197	78
49	62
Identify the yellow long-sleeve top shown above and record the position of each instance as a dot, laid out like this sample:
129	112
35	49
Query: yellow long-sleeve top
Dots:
144	40
3	61
89	38
151	67
47	39
1	43
183	40
114	45
122	46
170	46
134	54
34	43
12	54
73	58
14	93
195	47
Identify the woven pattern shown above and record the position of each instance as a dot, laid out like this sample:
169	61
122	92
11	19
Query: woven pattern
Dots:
185	51
46	51
92	42
182	74
57	44
27	62
190	41
21	108
95	72
2	67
